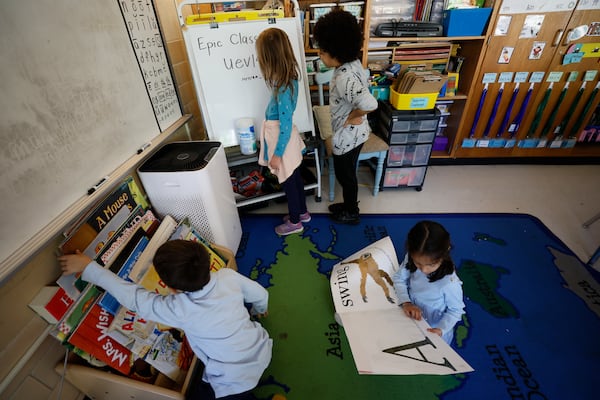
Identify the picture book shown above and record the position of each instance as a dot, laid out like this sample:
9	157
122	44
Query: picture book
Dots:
162	234
133	332
159	345
138	220
383	340
165	353
131	253
76	312
127	195
45	305
186	231
96	229
91	336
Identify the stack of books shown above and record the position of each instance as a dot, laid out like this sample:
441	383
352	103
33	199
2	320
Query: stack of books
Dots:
122	234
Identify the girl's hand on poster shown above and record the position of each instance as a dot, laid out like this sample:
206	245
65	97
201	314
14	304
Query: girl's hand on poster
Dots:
411	310
437	331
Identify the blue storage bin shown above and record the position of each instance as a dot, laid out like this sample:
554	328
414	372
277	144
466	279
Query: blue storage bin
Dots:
465	21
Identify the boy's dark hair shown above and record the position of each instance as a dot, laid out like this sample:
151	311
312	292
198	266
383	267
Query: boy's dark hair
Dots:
183	265
339	34
432	240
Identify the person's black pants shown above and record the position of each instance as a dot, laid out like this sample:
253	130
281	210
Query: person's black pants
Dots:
345	172
294	191
201	390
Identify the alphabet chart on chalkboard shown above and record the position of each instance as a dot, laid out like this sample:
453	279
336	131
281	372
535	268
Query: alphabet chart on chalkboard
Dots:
148	45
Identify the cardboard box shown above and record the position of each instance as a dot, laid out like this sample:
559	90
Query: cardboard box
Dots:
465	21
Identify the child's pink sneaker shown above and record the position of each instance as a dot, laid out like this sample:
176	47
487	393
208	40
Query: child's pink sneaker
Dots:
303	217
287	228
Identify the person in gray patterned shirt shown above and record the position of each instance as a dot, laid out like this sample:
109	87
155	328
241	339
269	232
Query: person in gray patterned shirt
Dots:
339	38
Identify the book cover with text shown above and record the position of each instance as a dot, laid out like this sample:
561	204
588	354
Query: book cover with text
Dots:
91	336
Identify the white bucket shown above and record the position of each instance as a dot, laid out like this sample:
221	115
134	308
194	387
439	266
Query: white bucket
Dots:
245	131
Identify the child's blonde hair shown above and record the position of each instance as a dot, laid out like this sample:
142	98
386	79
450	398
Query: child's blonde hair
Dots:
276	59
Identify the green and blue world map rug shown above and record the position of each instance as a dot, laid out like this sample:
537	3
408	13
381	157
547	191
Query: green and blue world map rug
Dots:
531	328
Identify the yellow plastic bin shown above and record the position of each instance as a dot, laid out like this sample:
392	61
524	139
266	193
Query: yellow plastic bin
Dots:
412	101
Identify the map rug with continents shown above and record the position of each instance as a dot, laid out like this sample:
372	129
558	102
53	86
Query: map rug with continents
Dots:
532	311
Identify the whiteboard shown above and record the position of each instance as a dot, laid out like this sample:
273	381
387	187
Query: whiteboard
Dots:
74	107
227	76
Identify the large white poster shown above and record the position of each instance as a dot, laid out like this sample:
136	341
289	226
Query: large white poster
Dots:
382	338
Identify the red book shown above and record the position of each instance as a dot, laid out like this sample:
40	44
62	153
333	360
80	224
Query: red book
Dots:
59	304
91	336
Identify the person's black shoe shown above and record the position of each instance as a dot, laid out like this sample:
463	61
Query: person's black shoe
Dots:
336	208
345	217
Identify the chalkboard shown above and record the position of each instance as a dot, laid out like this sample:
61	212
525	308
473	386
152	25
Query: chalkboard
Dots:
74	107
227	76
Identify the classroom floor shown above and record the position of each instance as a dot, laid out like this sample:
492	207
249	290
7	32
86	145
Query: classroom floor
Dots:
563	197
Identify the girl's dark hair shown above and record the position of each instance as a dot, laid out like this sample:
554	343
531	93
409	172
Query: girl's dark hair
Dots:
432	240
183	265
339	34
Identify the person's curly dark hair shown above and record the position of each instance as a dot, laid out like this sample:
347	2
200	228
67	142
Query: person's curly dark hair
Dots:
339	34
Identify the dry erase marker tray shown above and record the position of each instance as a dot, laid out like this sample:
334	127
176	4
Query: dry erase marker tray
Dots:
232	16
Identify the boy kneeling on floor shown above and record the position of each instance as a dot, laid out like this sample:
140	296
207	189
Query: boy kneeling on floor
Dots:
207	306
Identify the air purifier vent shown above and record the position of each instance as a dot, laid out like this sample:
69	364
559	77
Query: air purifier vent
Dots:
180	156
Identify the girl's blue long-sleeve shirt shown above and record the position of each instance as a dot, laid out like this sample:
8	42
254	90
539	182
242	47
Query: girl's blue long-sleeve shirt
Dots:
282	109
441	302
234	349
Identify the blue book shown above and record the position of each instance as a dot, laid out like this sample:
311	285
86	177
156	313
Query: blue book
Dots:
108	302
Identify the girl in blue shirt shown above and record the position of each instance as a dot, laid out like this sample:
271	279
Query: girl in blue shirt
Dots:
281	145
426	283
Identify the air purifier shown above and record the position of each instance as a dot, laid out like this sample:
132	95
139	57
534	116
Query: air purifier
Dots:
191	179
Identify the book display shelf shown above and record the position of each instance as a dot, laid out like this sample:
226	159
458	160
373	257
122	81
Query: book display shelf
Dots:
498	56
113	352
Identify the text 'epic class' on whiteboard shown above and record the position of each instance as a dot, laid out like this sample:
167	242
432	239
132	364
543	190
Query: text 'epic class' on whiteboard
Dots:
227	76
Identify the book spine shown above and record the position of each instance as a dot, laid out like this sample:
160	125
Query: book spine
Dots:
161	235
91	337
76	313
108	302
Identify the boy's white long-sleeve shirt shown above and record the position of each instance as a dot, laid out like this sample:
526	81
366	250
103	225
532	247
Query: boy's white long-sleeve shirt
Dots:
234	349
441	302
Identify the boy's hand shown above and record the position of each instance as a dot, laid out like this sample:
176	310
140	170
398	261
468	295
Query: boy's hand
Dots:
73	263
262	315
